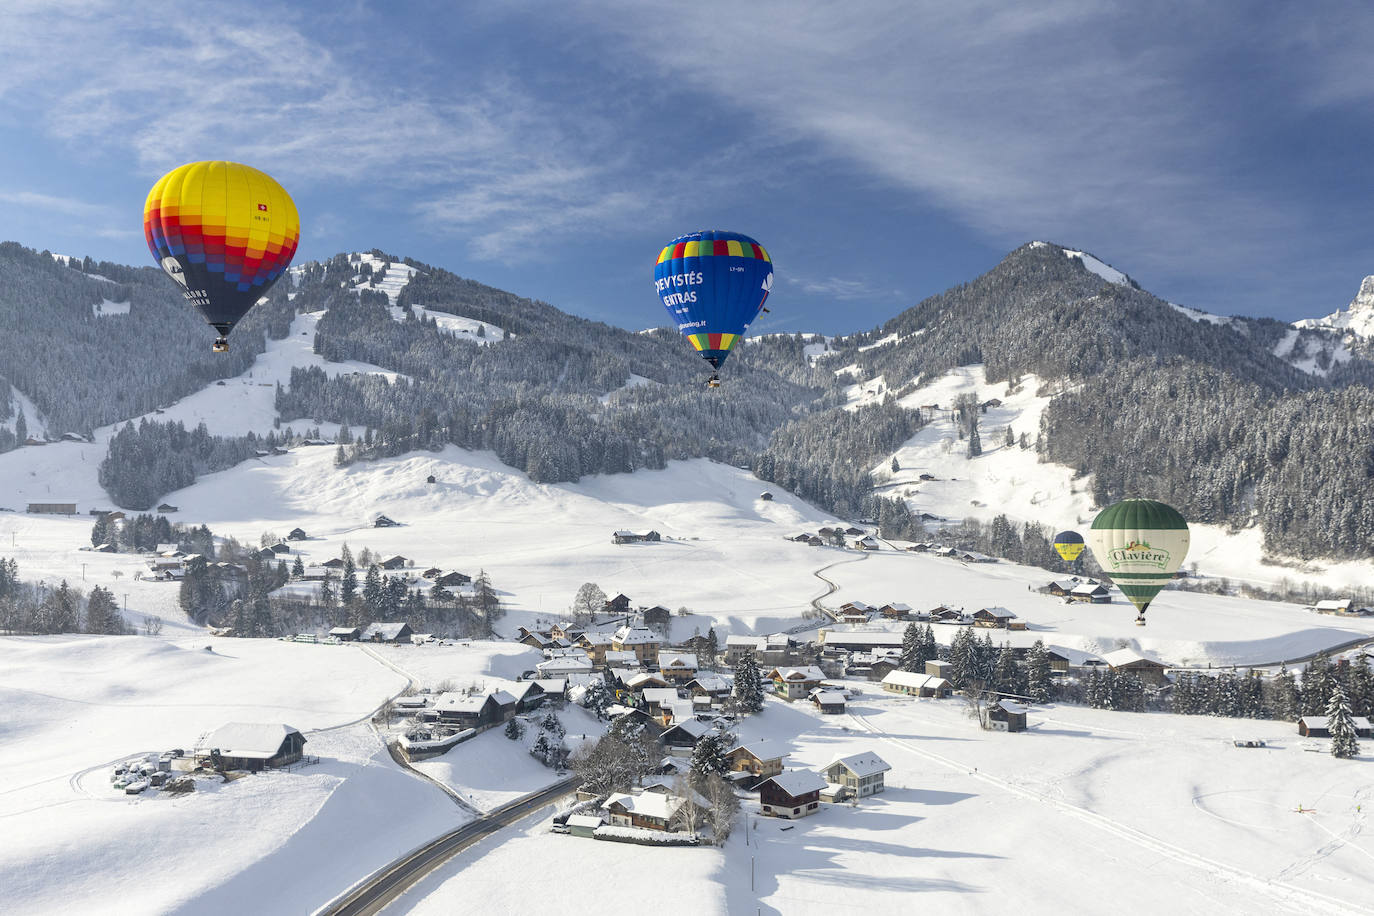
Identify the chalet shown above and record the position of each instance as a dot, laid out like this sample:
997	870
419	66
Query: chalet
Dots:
1005	716
346	634
297	534
316	573
1342	607
1091	592
105	548
399	632
737	646
394	562
918	548
634	716
474	711
566	629
279	548
952	615
855	532
555	689
854	617
795	683
677	667
826	532
649	810
973	556
431	479
536	639
528	695
642	641
867	543
802	538
813	541
383	521
1319	727
1059	661
850	607
916	685
1130	661
861	774
635	537
167	508
597	644
251	746
620	604
1062	588
52	508
622	659
766	496
829	702
336	563
928	476
895	611
795	793
758	758
264	554
657	700
709	685
993	617
431	573
682	737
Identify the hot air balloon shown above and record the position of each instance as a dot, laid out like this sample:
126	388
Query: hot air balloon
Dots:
1140	543
224	232
713	284
1069	545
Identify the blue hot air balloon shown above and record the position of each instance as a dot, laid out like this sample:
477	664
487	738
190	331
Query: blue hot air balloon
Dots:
713	284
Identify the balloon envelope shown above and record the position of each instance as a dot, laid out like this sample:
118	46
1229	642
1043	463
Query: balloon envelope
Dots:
1140	543
1069	545
224	232
713	284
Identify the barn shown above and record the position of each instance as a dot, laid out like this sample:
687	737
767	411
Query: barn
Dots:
251	746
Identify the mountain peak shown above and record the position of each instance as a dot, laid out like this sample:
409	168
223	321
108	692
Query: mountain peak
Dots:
1356	318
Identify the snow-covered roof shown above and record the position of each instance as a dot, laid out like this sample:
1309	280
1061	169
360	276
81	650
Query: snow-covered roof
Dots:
596	638
552	684
1013	706
256	741
569	664
584	820
711	683
828	697
798	782
343	631
384	630
1000	613
677	660
751	642
1334	604
457	702
871	637
660	694
800	673
503	698
1088	588
635	636
915	679
762	748
692	726
898	606
649	804
1360	722
1121	657
865	764
638	679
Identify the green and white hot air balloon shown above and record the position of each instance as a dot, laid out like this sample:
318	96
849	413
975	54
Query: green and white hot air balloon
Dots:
1140	543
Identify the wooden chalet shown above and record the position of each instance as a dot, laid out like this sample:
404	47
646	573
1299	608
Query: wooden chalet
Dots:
642	641
1005	716
635	537
868	542
648	810
167	507
383	521
452	580
393	562
398	632
914	684
566	629
860	774
1129	661
431	573
759	758
993	617
297	534
474	711
1091	592
709	685
829	702
895	610
677	667
791	794
346	634
796	682
251	746
620	604
766	496
682	737
1320	727
335	563
528	695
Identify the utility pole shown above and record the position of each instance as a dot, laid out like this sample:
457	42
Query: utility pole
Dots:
83	572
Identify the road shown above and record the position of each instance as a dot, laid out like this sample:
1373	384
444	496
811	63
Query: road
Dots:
383	887
816	602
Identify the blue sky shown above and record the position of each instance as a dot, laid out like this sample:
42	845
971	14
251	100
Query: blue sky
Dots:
882	151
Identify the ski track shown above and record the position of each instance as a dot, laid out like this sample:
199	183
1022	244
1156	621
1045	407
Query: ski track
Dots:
1298	900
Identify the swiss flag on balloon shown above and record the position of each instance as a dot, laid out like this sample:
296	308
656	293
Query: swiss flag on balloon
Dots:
262	206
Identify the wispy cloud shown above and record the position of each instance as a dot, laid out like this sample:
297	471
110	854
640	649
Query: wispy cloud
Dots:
842	288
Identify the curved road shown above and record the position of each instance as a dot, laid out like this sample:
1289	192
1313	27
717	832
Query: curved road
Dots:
816	602
378	891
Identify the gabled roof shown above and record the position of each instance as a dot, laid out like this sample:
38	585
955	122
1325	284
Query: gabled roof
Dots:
752	642
800	673
711	683
915	679
256	741
385	630
999	613
660	694
865	764
649	804
677	660
457	702
761	748
828	697
692	727
636	635
798	782
1126	656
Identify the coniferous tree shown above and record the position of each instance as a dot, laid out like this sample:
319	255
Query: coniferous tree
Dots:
1339	722
910	659
748	684
348	584
1038	673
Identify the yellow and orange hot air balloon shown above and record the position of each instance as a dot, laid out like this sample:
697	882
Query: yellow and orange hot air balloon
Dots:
224	232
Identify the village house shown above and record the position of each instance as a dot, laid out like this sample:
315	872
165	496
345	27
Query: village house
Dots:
677	667
657	700
566	629
251	746
564	666
642	641
452	580
1005	716
854	617
555	690
393	562
992	617
1091	592
596	645
346	634
796	682
759	758
431	573
766	496
681	738
913	684
1342	607
167	507
792	794
649	810
336	563
297	534
528	695
1063	588
860	774
398	632
895	610
861	639
1129	661
709	685
1319	727
1059	660
476	710
829	702
383	521
280	548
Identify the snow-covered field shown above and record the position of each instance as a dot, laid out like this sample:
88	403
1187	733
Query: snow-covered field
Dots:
1088	811
280	843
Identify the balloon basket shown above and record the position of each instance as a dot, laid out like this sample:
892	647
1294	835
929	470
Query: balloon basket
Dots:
713	382
221	345
1140	621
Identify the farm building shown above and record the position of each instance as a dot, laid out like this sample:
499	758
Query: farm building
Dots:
917	685
251	746
1005	716
1318	727
795	793
398	632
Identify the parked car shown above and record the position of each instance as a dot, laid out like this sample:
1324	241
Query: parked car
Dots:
134	788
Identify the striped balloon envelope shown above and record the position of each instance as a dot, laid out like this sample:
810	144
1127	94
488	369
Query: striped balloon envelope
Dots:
713	285
1069	545
1140	543
224	232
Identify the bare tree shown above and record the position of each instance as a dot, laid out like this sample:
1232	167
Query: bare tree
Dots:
690	813
724	807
